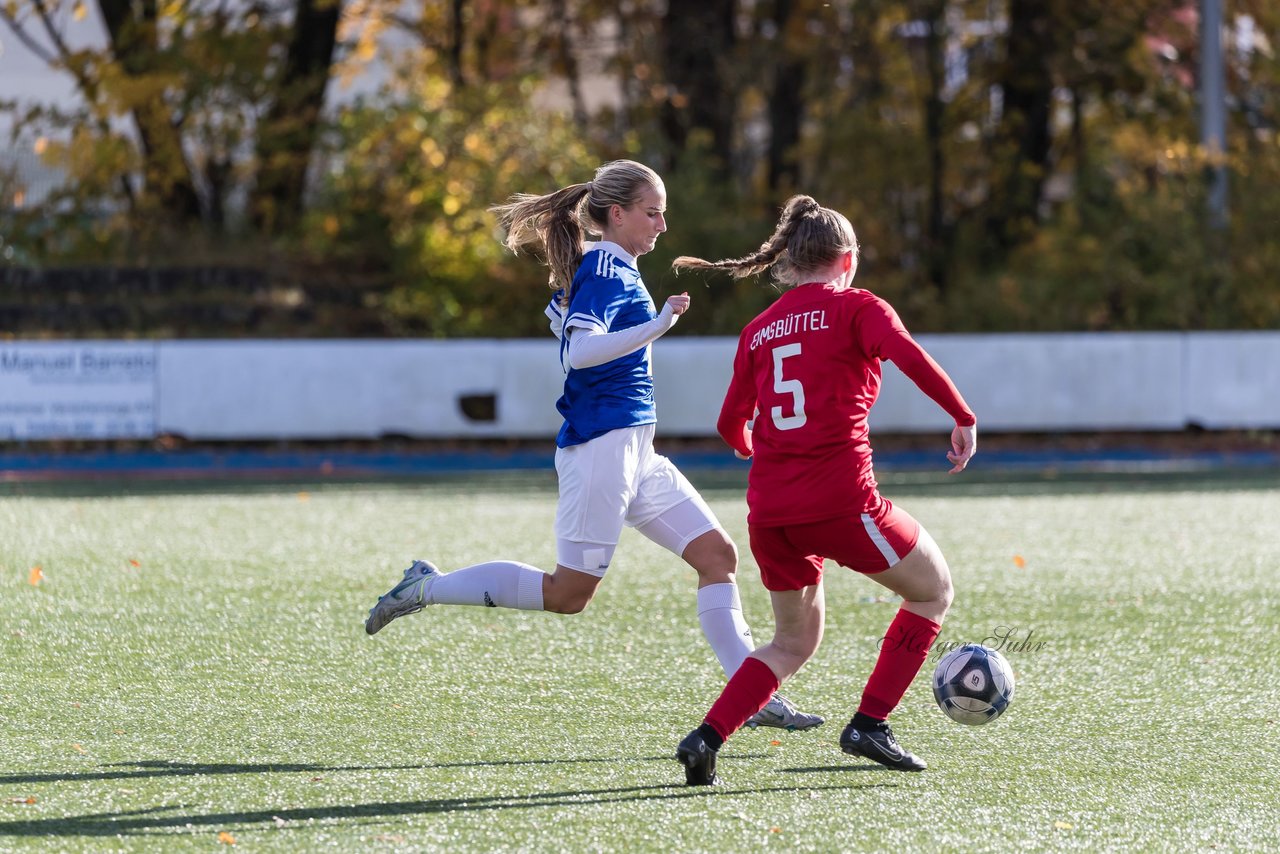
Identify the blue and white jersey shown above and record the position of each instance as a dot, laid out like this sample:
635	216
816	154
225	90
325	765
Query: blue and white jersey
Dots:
609	296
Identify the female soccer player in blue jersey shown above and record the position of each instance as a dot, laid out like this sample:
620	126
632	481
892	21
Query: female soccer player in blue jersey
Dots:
610	476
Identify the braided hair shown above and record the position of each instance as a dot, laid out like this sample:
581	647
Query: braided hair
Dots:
808	237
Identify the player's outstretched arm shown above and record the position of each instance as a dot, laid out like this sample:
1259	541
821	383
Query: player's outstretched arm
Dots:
964	444
903	350
589	347
736	417
736	432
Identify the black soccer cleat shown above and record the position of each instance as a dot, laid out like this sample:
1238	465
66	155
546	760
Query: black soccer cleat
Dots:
698	759
879	745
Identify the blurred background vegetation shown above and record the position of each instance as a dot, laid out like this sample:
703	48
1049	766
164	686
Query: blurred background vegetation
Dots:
319	168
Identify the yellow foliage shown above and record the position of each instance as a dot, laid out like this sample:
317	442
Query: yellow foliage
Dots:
434	92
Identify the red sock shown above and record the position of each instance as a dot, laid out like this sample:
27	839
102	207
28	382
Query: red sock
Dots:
747	692
903	650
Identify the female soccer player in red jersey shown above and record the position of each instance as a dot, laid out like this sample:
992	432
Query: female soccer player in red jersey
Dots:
610	476
806	374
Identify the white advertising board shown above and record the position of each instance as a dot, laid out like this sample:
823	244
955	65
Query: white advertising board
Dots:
77	390
1233	380
367	389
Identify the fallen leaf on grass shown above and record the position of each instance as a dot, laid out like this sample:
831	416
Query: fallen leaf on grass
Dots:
35	576
134	562
1063	825
1019	561
226	838
776	743
775	830
77	748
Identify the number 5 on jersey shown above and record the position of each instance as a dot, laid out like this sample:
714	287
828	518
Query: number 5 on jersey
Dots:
791	387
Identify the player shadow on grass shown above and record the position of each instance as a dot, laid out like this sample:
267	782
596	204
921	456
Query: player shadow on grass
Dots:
837	769
165	768
147	822
664	758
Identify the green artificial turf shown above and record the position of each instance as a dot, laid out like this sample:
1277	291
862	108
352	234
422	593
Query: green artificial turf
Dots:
191	672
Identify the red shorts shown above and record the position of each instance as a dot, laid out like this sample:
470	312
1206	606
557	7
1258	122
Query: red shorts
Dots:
791	556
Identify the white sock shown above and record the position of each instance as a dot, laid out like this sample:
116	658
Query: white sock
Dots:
720	613
497	584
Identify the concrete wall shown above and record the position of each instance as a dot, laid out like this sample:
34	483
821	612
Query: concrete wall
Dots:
1050	382
356	389
229	390
1235	377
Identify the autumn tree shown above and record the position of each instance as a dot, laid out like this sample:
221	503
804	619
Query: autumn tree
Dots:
220	100
1007	164
697	51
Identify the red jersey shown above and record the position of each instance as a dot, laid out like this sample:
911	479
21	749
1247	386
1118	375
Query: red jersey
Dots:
810	366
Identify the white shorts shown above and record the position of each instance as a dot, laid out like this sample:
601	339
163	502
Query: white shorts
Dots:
618	480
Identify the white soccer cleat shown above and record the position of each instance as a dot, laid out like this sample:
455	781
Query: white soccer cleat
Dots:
781	713
407	597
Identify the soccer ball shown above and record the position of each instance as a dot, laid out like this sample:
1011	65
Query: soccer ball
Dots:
973	684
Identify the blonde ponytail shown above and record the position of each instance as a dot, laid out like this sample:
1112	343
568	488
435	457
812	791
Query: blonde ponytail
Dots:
557	223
